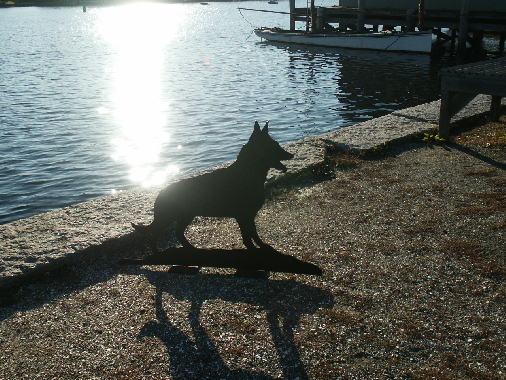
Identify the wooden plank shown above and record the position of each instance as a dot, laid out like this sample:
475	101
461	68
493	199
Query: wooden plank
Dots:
240	259
475	86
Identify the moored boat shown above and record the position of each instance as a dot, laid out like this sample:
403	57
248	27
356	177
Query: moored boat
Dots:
419	42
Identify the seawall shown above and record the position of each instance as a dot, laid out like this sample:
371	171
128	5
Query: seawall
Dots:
35	245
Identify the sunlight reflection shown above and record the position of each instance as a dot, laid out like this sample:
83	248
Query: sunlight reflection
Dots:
138	35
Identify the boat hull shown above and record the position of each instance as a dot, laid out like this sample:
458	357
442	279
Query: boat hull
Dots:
409	42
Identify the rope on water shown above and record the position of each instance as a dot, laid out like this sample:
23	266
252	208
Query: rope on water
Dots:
245	19
264	10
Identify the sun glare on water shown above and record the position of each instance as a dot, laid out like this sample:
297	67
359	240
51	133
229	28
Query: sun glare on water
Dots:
138	35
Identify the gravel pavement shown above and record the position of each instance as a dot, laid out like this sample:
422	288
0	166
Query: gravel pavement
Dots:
410	237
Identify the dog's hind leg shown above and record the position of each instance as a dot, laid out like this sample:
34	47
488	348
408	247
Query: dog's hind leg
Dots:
181	224
155	233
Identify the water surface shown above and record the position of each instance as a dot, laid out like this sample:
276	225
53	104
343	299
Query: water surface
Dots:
135	95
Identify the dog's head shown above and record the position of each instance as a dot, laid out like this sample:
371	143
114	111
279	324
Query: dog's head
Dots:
266	149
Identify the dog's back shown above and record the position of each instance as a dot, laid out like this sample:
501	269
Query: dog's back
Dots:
224	192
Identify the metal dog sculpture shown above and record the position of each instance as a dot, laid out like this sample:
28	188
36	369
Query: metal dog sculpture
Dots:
236	191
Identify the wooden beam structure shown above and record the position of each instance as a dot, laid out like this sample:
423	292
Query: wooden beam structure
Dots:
486	21
460	84
461	19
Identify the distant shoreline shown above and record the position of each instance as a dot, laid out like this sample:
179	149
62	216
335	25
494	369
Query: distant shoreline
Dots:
92	3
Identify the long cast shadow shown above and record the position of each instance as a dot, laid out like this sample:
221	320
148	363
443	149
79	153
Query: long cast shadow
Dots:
64	279
285	302
267	259
478	156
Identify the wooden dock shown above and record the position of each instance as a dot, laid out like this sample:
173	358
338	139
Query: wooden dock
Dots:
465	24
460	84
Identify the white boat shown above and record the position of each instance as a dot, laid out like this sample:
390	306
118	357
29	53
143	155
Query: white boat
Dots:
419	42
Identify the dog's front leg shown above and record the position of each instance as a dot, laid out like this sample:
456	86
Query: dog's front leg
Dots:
256	238
249	232
246	232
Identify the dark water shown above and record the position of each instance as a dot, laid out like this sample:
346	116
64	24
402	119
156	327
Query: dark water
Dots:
120	97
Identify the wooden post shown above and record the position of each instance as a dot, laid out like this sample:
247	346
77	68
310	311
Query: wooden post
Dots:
320	20
494	107
421	14
292	15
477	39
361	15
451	103
313	18
501	41
454	35
410	14
463	25
445	115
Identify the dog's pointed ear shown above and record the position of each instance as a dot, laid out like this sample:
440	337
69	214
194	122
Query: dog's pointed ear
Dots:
256	130
265	129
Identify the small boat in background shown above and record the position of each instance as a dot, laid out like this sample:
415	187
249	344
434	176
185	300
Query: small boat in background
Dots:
419	42
204	3
272	2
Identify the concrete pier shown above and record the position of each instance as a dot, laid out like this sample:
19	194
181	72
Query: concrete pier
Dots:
31	246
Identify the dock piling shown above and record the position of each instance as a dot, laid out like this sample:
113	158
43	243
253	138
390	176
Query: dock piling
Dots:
361	15
314	22
410	20
292	15
463	25
453	39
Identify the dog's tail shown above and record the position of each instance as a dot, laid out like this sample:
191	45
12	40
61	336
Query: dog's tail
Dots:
142	228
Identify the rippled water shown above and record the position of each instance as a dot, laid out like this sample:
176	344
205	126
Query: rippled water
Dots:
126	96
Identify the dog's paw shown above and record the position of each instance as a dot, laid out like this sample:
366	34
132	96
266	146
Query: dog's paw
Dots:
267	247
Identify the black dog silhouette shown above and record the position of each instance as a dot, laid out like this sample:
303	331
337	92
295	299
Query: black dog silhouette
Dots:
236	191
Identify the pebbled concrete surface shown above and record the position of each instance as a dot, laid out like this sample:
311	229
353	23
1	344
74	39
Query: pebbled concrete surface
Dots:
43	242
